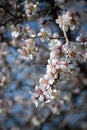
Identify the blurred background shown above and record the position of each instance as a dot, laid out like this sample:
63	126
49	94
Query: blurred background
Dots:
18	76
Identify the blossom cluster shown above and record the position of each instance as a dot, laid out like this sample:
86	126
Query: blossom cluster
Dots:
31	8
68	20
64	54
28	50
22	31
45	34
62	65
82	38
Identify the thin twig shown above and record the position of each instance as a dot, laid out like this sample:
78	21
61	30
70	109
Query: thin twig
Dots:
65	35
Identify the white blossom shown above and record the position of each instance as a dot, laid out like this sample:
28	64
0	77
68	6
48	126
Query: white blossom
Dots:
44	34
15	34
31	8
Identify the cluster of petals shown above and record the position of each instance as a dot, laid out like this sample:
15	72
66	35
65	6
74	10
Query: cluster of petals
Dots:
22	31
64	57
28	50
68	20
82	38
31	8
62	66
44	34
